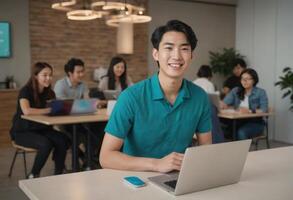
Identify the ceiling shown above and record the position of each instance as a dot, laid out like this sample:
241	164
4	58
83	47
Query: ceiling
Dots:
219	2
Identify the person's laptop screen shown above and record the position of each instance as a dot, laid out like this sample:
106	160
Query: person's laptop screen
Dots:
84	106
60	107
68	107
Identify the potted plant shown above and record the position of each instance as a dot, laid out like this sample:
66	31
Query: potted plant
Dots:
223	62
286	83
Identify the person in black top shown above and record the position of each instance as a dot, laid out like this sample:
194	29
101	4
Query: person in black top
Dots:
234	80
32	100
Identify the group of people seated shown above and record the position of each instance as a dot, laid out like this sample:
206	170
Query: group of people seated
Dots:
240	93
33	98
153	121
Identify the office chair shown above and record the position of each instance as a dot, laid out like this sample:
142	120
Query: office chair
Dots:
20	150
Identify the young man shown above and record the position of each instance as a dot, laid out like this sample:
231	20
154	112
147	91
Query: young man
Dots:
234	80
71	86
155	120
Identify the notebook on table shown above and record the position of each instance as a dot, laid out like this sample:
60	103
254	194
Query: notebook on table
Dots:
205	167
72	107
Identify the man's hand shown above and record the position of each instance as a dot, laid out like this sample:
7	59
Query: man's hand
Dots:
169	163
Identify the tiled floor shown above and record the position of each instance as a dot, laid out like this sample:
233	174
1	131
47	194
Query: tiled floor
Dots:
9	186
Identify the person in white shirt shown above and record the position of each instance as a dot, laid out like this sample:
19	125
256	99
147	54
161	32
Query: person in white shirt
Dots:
204	75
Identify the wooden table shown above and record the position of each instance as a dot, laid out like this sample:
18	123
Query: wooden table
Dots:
99	116
234	116
267	175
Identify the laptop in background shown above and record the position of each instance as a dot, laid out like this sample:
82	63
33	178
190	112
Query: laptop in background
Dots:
60	107
71	107
205	167
215	99
84	106
111	94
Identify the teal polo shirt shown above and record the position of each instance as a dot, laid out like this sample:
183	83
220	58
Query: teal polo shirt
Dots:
150	126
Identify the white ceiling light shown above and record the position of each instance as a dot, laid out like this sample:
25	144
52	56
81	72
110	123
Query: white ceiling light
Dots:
83	15
115	20
114	12
64	6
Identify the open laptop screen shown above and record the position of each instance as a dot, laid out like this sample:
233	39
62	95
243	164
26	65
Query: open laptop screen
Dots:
60	107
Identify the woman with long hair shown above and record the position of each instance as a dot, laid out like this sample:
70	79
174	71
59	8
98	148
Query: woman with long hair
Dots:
32	100
248	98
116	78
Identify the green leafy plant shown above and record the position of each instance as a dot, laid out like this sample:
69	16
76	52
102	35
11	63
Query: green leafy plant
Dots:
286	83
223	62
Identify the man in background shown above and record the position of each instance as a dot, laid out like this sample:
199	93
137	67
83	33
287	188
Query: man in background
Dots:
71	86
234	80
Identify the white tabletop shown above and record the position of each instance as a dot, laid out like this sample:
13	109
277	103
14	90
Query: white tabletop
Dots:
267	175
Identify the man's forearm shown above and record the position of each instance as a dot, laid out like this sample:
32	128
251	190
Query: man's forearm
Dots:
204	138
121	161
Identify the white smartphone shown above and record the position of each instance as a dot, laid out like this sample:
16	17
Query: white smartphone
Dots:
134	181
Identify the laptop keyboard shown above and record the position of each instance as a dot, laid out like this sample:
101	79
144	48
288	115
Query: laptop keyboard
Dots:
172	183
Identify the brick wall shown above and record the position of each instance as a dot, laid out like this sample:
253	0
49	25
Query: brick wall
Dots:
55	39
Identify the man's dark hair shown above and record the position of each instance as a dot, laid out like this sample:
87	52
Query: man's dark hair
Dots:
205	71
70	65
174	25
241	62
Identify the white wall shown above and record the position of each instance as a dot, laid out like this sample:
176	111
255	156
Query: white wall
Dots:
264	30
16	12
214	26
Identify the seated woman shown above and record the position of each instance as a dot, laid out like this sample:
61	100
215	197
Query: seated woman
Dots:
32	100
248	99
116	78
204	75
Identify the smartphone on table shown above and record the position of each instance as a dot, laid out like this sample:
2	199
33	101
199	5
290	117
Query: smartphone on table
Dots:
134	181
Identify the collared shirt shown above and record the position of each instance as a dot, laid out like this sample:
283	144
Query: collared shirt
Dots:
257	99
151	126
64	89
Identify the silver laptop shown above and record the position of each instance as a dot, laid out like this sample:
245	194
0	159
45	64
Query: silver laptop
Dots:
84	106
205	167
215	99
72	106
111	94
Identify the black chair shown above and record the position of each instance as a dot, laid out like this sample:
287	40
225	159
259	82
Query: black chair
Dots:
20	150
